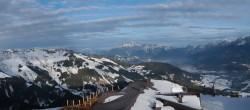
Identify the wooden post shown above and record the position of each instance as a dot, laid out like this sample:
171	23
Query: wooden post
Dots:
79	101
112	88
180	98
73	102
67	102
82	100
87	99
90	103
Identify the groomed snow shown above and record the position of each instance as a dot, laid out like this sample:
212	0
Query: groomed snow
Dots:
111	98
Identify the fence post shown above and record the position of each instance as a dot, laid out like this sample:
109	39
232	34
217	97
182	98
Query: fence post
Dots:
82	100
73	102
67	102
79	101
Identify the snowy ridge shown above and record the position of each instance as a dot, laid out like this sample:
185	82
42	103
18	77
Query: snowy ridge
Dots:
16	64
57	69
145	47
3	75
49	75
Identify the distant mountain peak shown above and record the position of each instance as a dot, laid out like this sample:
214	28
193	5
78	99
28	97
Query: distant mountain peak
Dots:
143	46
129	44
243	40
220	42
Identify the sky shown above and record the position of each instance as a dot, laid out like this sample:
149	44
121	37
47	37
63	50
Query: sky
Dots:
102	24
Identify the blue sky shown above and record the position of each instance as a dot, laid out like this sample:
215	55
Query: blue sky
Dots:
102	24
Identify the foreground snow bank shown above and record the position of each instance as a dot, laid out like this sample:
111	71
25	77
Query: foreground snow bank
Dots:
147	100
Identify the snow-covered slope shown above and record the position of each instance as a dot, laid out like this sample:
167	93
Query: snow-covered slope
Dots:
54	71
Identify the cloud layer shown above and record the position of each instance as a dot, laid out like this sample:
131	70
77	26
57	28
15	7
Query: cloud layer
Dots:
104	23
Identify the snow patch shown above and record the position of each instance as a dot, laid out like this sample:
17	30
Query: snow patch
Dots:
111	98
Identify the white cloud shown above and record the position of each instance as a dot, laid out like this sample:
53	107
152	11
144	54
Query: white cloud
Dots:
34	21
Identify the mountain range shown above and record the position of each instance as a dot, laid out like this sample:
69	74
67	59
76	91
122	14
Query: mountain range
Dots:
222	55
40	78
224	62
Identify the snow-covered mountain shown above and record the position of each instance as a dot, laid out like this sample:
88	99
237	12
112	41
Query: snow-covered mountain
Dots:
133	49
145	47
223	55
36	78
219	58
